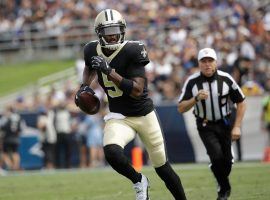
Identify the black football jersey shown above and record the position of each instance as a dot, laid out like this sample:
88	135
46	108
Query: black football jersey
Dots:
129	61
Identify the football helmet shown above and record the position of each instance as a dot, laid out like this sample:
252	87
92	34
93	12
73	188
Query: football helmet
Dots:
110	22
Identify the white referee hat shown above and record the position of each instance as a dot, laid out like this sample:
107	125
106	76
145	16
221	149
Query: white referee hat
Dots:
207	52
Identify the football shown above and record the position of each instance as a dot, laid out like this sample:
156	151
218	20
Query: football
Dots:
88	103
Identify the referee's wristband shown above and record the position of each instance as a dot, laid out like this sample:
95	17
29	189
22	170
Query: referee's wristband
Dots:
126	85
196	98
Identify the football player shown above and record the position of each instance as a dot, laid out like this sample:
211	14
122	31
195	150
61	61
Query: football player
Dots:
119	65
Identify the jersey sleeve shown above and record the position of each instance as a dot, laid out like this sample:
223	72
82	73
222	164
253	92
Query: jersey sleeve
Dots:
236	94
186	93
136	71
138	59
86	56
139	54
89	51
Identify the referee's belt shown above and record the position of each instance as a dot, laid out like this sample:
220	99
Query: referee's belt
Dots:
222	120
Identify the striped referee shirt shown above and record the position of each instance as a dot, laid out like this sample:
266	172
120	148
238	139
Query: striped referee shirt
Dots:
221	87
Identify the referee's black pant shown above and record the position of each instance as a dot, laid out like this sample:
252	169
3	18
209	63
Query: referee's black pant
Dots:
216	137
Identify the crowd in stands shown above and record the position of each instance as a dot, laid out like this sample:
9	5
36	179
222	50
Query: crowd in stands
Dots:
173	31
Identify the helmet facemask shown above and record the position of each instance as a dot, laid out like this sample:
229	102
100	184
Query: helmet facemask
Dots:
116	30
110	27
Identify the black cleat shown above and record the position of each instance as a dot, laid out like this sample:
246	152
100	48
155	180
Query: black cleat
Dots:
224	195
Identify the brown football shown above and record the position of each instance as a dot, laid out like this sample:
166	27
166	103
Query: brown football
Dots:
88	103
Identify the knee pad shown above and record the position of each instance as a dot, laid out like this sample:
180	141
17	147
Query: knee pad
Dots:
157	155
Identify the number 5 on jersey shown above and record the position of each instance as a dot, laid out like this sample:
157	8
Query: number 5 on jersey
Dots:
113	90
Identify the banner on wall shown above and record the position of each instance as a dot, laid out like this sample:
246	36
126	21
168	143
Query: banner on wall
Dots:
30	152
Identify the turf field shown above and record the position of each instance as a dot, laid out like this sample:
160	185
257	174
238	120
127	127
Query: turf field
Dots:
249	180
13	77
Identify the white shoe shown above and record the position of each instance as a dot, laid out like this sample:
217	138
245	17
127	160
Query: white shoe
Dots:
141	189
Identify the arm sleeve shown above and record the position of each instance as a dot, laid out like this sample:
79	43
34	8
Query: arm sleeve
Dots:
236	94
89	51
87	56
138	60
139	54
186	93
136	71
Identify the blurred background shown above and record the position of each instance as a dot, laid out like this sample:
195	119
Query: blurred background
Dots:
41	63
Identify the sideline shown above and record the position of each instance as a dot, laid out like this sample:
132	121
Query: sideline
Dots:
108	169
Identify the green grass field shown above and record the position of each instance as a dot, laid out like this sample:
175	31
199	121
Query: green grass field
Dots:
16	76
249	181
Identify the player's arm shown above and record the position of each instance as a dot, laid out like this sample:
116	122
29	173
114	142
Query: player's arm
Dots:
88	75
187	100
237	96
186	105
240	111
133	87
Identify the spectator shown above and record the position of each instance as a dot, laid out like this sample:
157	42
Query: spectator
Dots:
251	88
91	138
2	171
11	124
94	140
62	123
45	124
83	149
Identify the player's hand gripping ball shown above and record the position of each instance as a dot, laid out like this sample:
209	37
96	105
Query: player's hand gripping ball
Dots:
87	101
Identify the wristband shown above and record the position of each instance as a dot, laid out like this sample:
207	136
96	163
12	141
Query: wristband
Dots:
196	98
126	86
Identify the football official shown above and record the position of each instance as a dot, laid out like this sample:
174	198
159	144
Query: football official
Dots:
119	65
209	92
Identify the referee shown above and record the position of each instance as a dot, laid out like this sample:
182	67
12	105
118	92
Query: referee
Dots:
209	92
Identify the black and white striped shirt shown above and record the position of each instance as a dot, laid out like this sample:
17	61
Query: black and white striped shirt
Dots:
221	88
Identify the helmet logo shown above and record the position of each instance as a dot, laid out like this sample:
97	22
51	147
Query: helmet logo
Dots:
108	12
144	53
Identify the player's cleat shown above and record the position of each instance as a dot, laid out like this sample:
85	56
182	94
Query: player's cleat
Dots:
141	189
225	191
224	195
